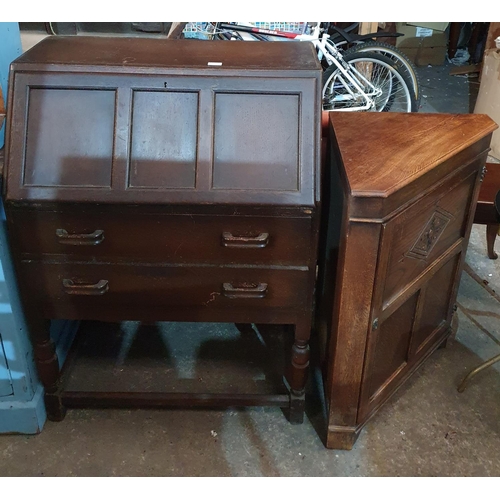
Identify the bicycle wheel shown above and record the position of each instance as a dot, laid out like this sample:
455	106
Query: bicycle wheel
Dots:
372	83
405	65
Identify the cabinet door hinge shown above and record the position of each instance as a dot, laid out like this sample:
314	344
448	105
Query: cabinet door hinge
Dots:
483	173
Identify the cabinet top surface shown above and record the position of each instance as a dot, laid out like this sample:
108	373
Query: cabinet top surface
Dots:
383	152
101	52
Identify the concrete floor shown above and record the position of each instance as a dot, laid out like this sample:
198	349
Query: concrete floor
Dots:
427	429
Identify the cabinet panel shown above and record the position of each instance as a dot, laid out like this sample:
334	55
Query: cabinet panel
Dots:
388	349
423	232
195	139
256	143
436	303
163	142
69	137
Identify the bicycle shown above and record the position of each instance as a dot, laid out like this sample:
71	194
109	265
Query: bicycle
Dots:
367	81
366	43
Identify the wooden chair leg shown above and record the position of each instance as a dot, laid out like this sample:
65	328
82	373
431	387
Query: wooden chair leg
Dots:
491	234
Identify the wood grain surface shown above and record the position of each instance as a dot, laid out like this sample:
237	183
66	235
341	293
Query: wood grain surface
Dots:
407	145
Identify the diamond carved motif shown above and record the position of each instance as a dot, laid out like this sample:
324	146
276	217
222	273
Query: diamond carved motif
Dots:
430	234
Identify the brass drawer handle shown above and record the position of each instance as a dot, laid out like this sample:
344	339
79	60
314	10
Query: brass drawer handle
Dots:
72	288
244	290
259	241
80	239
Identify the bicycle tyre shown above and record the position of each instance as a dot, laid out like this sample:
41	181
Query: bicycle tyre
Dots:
395	91
405	65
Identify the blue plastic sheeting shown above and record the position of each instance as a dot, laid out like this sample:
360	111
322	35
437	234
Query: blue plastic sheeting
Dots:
10	49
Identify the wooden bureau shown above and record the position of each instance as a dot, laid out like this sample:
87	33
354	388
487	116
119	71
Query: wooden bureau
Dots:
400	195
165	180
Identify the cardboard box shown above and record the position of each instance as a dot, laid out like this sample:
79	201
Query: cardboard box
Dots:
423	56
415	36
432	26
423	45
488	99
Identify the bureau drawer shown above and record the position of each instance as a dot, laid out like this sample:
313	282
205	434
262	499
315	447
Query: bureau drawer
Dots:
162	238
87	291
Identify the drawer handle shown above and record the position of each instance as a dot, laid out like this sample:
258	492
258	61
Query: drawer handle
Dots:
244	290
80	239
230	240
72	288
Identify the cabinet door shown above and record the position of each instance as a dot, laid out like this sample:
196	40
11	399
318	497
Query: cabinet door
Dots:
407	336
387	355
418	272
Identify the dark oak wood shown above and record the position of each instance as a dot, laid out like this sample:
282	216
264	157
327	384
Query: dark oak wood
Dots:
160	237
400	194
68	290
485	209
76	399
211	134
165	180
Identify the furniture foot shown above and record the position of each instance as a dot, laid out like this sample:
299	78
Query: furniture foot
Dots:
474	372
341	438
297	407
491	234
244	328
56	411
443	344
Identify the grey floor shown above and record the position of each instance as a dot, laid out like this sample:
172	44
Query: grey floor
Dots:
426	429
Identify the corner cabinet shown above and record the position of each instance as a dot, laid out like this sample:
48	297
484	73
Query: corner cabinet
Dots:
401	191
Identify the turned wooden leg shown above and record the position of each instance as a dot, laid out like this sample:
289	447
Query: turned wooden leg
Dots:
48	367
297	372
491	234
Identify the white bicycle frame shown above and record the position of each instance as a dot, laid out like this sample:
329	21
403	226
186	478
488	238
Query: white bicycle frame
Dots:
328	51
331	54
